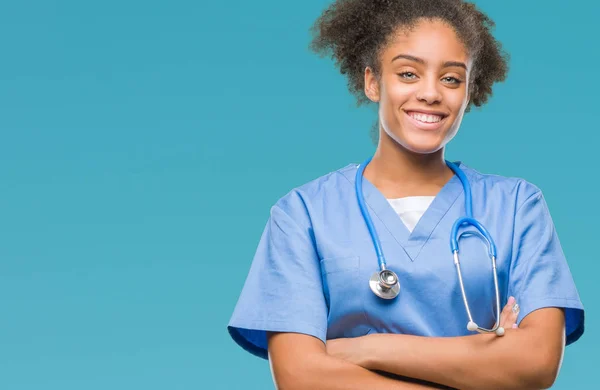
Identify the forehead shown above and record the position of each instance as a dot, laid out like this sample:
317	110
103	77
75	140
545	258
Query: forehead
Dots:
432	40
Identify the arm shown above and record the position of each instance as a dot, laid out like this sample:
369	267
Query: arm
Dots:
300	361
524	358
528	357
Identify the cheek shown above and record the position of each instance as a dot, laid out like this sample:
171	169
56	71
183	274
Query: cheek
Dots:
458	100
399	92
395	95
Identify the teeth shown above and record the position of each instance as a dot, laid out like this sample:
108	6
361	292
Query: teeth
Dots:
426	118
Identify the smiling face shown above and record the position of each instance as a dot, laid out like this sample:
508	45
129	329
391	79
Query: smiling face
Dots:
422	88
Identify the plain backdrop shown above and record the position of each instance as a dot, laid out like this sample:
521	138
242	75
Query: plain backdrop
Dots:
143	143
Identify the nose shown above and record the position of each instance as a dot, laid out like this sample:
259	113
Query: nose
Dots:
429	91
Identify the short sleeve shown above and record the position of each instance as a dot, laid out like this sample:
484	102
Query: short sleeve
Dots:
540	276
283	291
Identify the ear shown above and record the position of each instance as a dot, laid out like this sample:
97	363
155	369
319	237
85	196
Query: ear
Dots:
371	85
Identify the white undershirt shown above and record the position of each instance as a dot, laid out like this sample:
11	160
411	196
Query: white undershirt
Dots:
411	209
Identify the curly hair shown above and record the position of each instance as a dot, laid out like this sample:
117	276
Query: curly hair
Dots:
354	33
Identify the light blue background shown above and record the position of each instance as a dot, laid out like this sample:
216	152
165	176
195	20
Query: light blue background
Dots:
143	143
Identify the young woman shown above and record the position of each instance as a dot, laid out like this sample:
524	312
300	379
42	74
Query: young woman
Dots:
316	302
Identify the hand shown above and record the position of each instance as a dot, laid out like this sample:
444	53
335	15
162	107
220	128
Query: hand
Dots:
509	314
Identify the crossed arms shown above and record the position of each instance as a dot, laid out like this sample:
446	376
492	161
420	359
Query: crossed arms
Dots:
525	358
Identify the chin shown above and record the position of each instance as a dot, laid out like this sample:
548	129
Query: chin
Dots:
419	141
418	145
423	149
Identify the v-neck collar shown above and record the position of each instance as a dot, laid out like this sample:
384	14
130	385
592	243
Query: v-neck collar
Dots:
412	243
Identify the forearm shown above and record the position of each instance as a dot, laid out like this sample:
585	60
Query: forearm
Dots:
323	372
301	362
518	360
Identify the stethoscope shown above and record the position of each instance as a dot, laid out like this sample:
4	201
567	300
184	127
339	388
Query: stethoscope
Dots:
385	284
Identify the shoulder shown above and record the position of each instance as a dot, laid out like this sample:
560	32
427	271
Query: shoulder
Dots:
309	197
516	188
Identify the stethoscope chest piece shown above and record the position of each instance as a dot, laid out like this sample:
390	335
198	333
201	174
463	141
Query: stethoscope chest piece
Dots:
385	284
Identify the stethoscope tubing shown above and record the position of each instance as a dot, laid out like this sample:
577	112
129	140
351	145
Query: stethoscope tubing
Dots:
454	236
366	216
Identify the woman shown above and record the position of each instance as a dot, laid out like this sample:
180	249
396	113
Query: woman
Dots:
307	304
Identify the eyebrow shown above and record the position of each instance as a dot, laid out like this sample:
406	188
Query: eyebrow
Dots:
422	61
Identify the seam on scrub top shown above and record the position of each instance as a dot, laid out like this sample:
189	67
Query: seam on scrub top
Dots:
263	322
516	208
532	306
363	305
512	254
357	277
344	176
529	197
556	298
437	224
315	257
471	178
374	212
531	262
304	199
310	240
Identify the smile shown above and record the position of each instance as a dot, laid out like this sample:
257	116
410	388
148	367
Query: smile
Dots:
426	121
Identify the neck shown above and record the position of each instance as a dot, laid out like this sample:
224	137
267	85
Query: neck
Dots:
398	172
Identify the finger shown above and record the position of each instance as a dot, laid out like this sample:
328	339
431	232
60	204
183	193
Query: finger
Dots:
514	315
510	314
507	314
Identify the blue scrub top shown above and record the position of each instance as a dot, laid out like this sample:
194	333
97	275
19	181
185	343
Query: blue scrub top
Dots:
311	270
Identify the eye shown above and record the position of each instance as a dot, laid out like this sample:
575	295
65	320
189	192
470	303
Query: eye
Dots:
451	80
407	75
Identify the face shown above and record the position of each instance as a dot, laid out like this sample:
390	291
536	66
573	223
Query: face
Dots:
422	90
